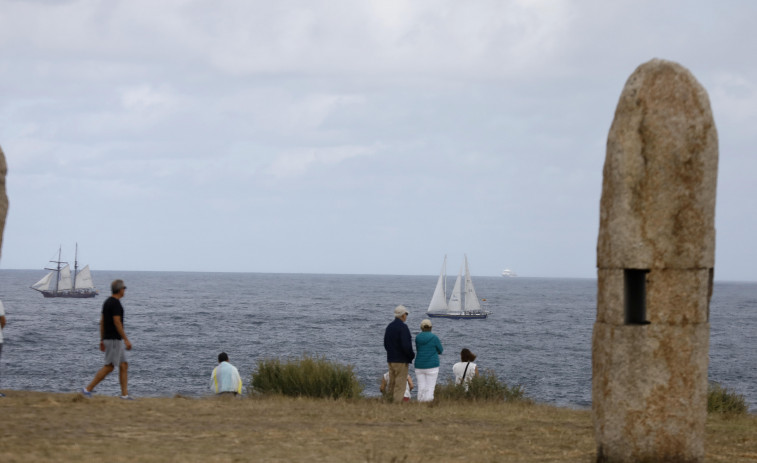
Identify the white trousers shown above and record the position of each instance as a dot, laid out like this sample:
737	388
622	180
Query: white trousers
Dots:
426	383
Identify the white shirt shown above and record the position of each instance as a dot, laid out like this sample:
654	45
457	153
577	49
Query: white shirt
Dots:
459	369
407	385
225	378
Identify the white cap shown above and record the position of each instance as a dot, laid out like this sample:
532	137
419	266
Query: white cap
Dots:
400	310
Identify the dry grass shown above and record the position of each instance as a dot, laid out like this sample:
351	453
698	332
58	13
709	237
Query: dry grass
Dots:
67	427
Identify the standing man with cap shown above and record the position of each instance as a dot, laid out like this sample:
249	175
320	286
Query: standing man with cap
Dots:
111	334
399	352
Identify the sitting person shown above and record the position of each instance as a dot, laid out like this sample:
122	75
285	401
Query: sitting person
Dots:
465	369
225	379
408	387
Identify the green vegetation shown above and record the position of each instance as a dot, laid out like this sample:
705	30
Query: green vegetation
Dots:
305	377
722	400
485	387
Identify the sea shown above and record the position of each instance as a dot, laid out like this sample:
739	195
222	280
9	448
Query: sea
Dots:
537	336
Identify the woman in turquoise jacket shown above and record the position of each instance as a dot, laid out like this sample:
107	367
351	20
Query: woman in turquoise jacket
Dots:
428	348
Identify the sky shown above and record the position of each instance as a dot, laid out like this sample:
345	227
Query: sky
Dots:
366	137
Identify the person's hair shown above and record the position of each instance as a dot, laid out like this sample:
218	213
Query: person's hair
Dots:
222	357
467	356
425	328
117	286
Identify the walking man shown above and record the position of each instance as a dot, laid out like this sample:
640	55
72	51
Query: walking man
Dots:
399	352
111	336
225	379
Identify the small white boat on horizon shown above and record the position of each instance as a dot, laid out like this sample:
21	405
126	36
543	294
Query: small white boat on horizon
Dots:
508	273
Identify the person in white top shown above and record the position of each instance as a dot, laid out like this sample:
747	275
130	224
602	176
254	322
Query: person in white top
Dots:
2	325
465	370
408	387
225	378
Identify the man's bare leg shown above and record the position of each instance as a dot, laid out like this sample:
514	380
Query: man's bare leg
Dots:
123	378
99	376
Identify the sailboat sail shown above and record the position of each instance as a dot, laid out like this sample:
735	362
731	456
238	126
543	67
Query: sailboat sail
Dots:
84	279
65	279
471	299
439	299
455	299
44	283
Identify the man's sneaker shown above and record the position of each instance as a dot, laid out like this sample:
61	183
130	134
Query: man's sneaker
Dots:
127	397
86	393
2	395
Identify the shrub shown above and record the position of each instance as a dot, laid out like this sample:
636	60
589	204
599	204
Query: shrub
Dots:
485	387
305	377
722	400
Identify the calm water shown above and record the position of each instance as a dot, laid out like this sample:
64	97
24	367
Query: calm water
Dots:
539	334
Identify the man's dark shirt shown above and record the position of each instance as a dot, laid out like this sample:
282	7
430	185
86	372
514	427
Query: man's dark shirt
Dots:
398	343
112	307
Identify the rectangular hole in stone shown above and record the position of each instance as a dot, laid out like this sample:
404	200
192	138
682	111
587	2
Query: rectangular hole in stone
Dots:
635	293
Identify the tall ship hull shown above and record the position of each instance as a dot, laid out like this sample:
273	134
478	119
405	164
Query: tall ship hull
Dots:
61	283
74	294
460	316
456	308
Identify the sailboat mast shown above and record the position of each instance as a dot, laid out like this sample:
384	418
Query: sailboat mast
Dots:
444	283
57	271
467	279
76	266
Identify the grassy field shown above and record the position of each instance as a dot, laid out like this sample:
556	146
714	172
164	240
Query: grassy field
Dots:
66	427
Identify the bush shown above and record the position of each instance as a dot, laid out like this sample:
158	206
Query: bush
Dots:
485	387
722	400
305	377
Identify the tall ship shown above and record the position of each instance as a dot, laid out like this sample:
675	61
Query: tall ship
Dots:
61	283
463	302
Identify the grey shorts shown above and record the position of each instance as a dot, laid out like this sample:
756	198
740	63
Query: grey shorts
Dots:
114	352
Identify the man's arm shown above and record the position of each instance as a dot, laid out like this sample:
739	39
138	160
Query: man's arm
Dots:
407	343
120	329
214	381
2	321
238	379
102	334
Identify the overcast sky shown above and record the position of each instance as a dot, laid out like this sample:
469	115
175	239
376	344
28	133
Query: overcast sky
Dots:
347	136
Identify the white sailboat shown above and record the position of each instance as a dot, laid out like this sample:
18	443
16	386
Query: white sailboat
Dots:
455	308
60	283
439	299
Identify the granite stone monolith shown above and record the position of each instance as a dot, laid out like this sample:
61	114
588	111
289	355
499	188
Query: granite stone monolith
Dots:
3	197
655	261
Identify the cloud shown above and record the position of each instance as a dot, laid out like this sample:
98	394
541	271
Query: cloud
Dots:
296	163
736	97
393	127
